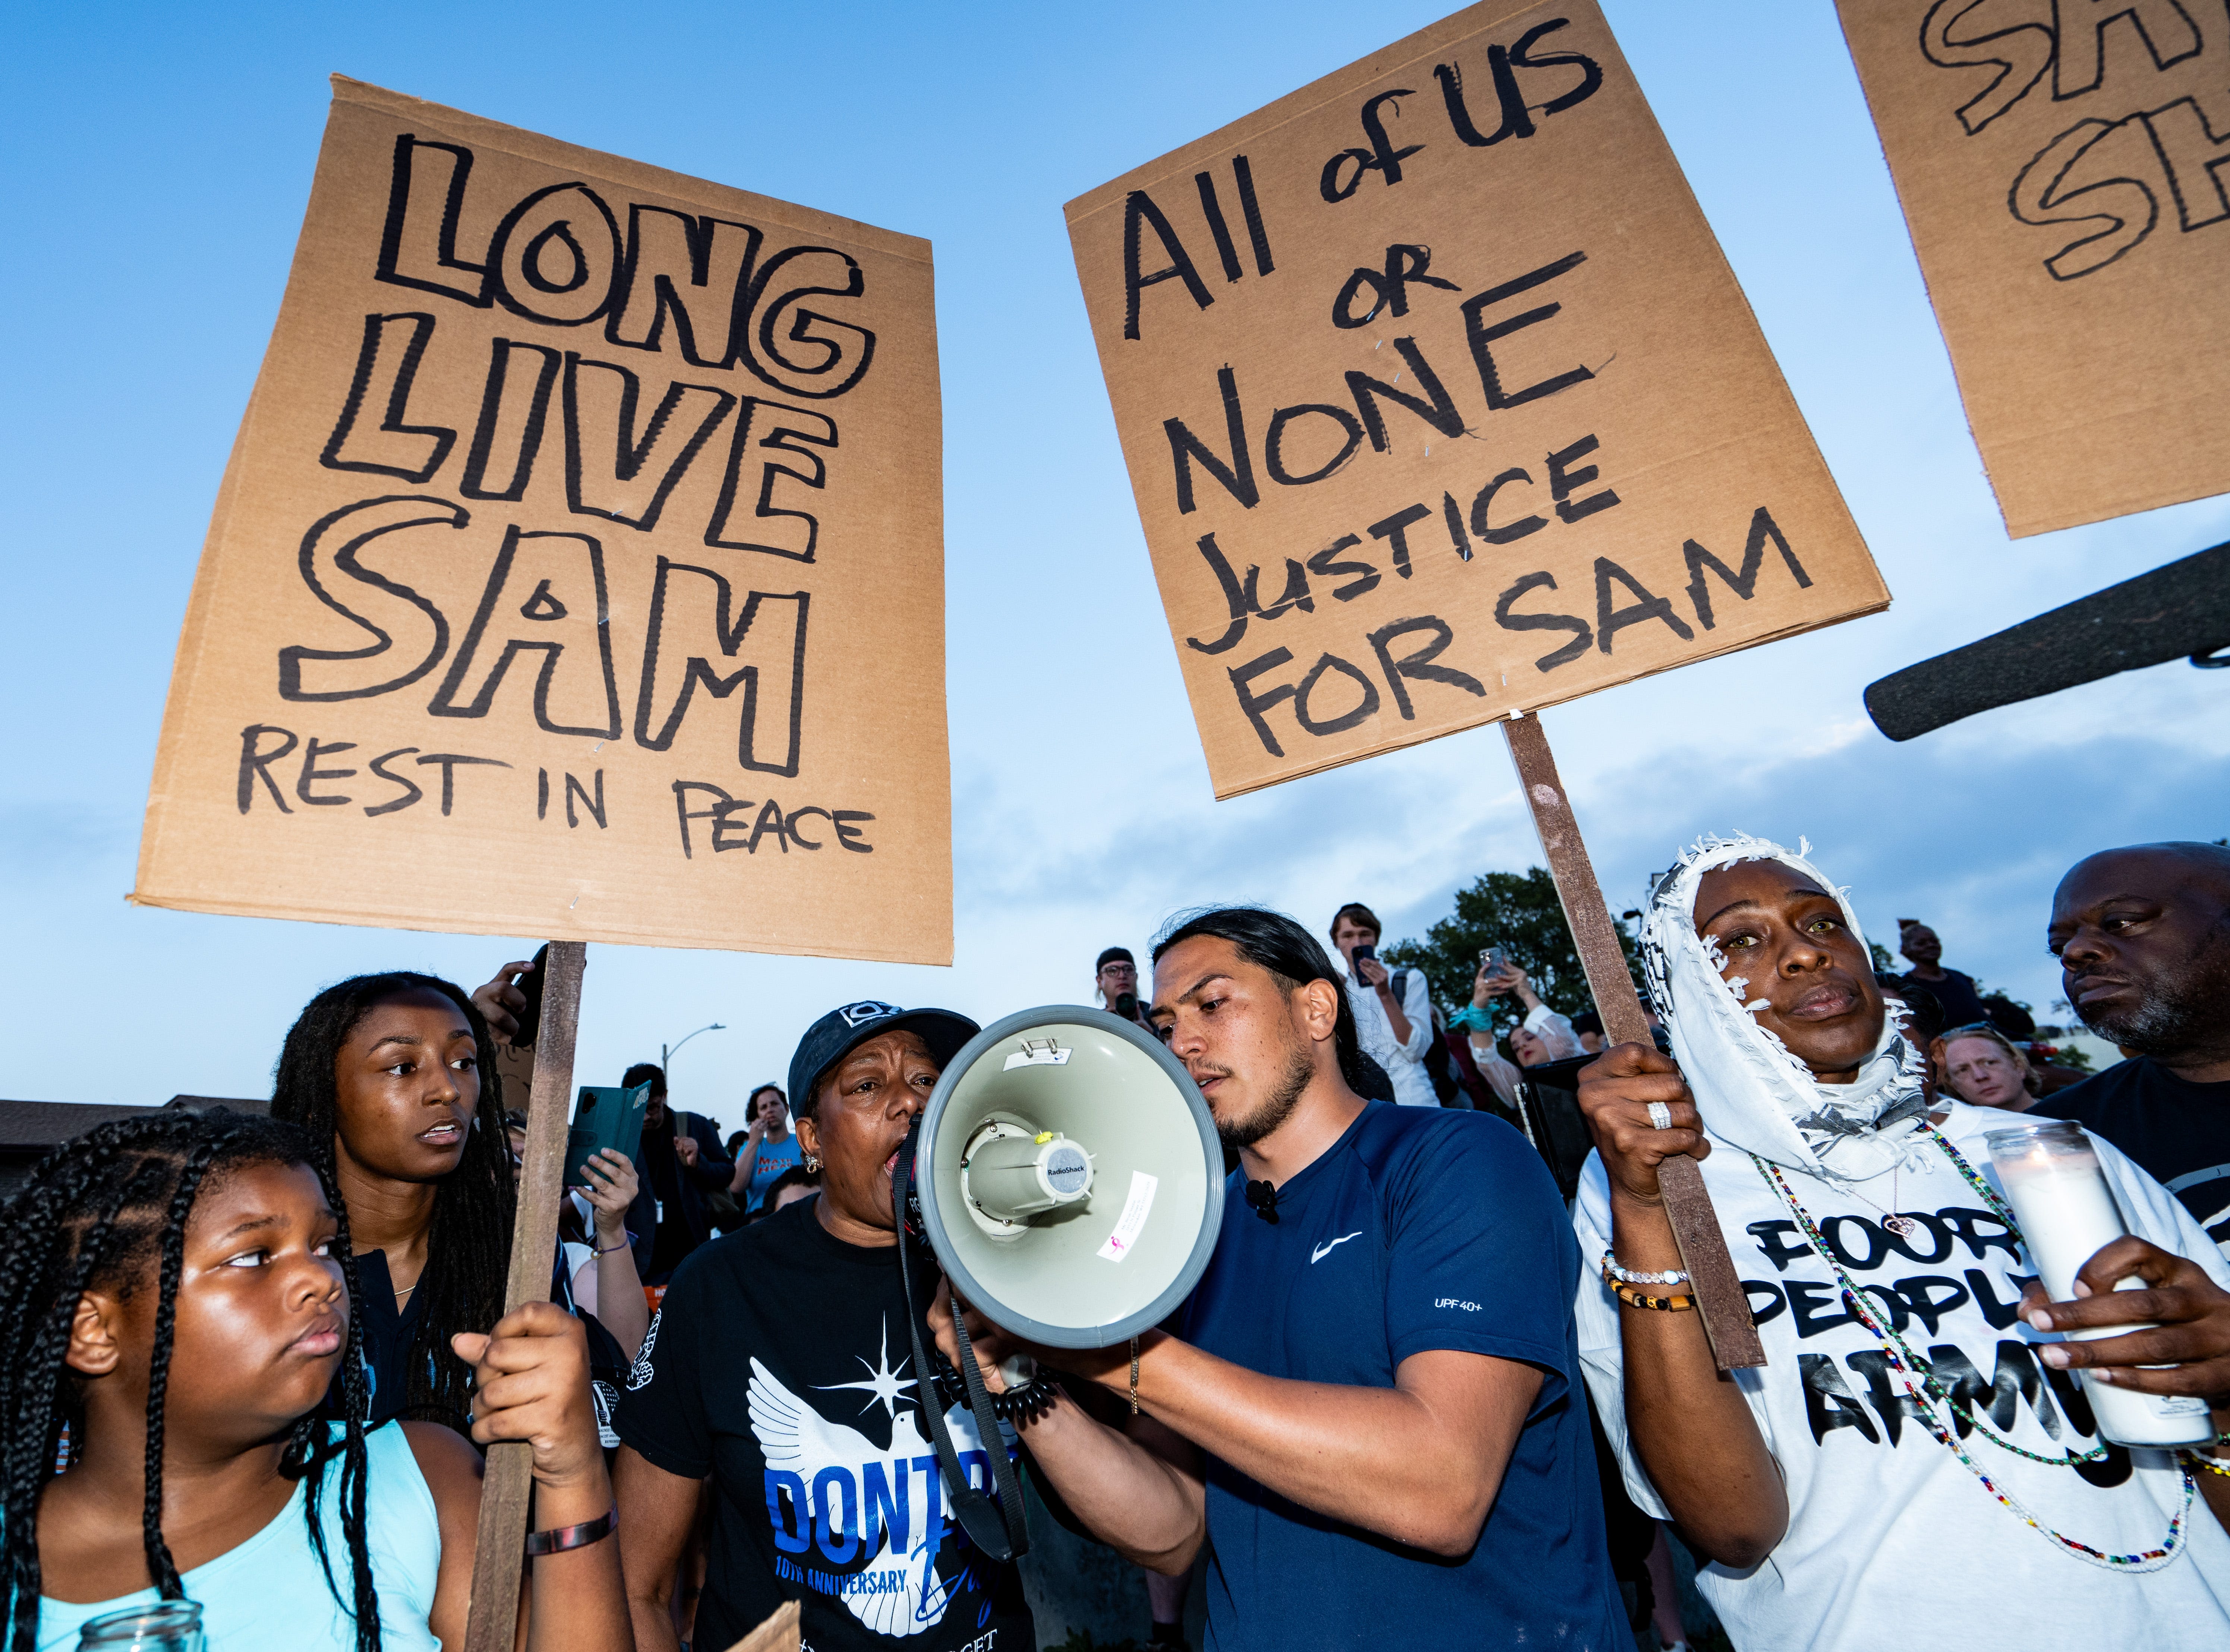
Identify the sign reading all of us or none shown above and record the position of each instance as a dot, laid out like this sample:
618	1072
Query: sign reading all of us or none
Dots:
1439	401
2065	169
578	569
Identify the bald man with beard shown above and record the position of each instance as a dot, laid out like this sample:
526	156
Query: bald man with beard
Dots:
2143	936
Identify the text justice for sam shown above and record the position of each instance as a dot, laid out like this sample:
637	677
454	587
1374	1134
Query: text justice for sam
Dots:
1491	517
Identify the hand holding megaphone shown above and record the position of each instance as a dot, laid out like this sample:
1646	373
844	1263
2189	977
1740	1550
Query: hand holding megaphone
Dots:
1070	1182
1007	1362
992	1346
1067	1174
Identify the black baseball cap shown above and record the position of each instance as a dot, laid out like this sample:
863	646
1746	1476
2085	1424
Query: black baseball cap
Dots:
1114	955
836	1034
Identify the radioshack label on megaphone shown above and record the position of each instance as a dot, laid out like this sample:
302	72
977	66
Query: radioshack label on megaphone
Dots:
1132	1222
1037	1053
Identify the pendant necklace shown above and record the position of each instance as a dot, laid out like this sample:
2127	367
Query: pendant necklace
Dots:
1903	1226
1926	1388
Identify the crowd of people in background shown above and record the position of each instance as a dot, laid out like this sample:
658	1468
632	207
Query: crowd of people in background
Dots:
377	1202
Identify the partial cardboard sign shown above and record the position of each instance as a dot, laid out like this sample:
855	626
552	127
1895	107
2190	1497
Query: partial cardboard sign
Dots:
1439	401
578	569
2064	171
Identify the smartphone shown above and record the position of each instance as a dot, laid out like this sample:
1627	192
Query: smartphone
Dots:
1493	959
604	1117
530	1018
1366	950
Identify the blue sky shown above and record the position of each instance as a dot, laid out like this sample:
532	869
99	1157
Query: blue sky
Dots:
161	159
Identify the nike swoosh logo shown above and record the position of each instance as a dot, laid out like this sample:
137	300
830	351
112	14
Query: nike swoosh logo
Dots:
1325	1249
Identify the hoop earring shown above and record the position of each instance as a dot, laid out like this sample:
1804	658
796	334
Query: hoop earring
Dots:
812	1165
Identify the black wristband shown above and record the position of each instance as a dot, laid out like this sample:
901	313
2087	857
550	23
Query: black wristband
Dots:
559	1538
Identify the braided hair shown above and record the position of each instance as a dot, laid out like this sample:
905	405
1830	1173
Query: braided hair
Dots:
93	1210
468	1250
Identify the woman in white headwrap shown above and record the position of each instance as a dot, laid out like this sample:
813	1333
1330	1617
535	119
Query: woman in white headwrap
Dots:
1914	1465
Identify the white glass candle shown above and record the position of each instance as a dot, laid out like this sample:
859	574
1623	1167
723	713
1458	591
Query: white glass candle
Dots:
2067	1215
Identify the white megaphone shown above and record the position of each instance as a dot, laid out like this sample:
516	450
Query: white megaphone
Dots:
1070	1177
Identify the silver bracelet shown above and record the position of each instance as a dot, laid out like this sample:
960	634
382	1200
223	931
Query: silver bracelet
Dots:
1638	1276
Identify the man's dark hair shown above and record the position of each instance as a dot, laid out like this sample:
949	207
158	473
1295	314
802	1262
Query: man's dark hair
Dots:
108	1210
1588	1021
1274	941
1114	955
1362	917
646	1072
2009	1018
751	1104
1925	1022
468	1248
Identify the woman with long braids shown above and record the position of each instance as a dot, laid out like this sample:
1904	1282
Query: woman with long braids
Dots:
174	1305
384	1073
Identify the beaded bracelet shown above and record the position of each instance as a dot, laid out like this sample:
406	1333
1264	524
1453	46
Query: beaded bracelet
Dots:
1638	1276
1632	1298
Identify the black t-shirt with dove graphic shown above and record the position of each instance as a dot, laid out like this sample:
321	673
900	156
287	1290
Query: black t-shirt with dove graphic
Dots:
779	1365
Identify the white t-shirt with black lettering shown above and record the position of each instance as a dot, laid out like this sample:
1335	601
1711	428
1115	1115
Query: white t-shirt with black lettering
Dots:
1891	1540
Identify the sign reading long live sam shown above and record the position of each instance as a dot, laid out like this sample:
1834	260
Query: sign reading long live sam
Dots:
578	569
1439	401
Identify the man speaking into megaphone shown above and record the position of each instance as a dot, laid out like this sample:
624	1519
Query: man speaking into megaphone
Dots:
1372	1400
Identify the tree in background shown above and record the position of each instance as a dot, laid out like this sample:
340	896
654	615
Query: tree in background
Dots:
1520	913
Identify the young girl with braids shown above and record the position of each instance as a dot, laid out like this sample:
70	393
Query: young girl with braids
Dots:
383	1072
174	1294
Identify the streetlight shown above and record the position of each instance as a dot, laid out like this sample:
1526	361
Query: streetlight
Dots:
665	1055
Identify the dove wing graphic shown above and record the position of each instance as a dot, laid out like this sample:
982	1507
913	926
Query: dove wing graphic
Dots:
794	1436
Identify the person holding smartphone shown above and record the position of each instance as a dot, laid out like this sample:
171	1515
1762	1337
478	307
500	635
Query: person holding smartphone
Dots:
1393	1007
678	1163
1544	1035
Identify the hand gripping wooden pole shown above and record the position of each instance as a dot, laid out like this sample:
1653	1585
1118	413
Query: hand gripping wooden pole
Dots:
1720	1298
507	1487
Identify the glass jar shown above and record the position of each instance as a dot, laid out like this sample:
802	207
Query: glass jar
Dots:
166	1626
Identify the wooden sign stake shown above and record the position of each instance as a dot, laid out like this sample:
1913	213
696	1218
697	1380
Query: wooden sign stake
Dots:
1720	1298
507	1486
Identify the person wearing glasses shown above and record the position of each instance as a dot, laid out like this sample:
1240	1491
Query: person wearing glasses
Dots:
1115	977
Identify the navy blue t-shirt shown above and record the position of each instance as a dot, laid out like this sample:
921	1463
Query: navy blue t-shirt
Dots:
1418	1229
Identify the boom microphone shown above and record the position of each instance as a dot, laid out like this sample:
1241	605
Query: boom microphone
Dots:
2180	611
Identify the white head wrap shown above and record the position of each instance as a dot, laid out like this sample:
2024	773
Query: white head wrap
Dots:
1752	1092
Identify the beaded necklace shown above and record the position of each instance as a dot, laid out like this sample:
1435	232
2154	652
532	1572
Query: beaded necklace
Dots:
1929	1390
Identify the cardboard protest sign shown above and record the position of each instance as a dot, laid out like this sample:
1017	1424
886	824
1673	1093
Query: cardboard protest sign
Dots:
2064	171
578	569
1439	401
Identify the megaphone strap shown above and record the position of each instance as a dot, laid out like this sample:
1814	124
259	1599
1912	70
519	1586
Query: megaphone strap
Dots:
999	1529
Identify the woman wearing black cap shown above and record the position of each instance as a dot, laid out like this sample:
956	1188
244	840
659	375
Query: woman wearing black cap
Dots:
780	1365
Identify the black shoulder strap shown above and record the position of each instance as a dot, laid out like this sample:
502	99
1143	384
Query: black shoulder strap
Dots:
999	1529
